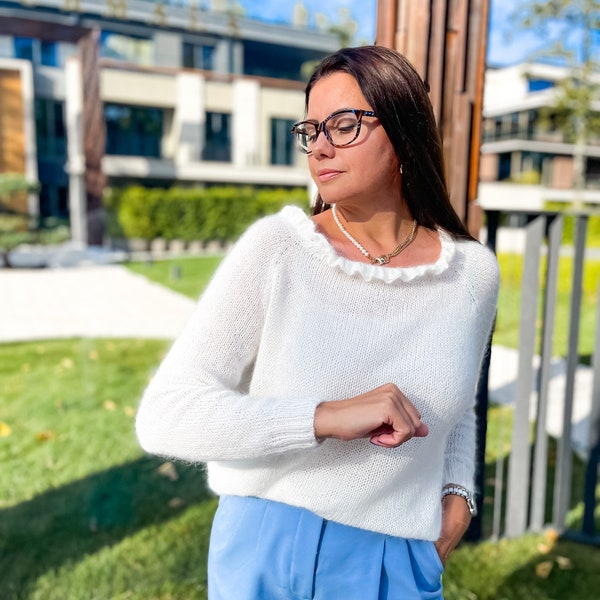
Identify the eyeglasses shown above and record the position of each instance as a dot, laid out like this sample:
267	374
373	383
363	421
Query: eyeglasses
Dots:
341	128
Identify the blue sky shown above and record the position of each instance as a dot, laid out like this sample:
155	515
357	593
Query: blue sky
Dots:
501	50
507	45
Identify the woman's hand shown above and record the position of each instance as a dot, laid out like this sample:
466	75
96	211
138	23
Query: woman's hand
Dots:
385	415
456	518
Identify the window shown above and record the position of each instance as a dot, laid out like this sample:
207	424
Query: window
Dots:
50	129
198	56
514	124
133	130
23	48
54	200
282	142
37	51
504	166
217	141
49	54
126	48
537	85
593	172
492	128
532	122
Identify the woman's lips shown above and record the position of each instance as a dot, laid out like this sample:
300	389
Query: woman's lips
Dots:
327	174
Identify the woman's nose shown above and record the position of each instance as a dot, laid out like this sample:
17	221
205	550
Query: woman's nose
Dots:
321	145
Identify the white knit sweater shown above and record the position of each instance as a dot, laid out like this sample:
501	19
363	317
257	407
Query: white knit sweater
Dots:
285	324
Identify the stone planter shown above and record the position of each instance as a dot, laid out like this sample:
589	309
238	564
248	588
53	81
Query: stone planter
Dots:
177	246
196	247
158	246
138	245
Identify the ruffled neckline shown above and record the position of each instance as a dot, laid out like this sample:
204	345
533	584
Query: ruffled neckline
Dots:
320	246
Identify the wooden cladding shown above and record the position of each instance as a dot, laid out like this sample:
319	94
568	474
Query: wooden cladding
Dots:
446	41
12	135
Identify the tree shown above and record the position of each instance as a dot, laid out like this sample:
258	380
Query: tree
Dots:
568	27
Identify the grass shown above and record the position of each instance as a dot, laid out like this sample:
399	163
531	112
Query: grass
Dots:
84	514
507	325
187	276
77	493
530	567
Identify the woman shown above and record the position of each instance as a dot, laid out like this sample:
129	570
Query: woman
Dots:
365	323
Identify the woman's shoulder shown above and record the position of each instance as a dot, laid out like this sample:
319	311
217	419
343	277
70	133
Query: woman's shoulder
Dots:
480	264
475	250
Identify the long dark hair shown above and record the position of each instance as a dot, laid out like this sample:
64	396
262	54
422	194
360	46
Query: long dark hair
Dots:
399	98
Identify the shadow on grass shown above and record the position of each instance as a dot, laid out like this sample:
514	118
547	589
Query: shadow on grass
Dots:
77	519
569	572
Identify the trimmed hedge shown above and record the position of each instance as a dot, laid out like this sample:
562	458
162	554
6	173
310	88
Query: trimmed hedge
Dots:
206	214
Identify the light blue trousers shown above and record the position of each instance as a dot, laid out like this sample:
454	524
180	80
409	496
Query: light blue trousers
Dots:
264	550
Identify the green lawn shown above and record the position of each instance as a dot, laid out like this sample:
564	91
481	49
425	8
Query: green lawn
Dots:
507	325
85	515
187	276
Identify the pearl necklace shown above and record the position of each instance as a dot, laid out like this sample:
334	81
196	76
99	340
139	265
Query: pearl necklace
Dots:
378	260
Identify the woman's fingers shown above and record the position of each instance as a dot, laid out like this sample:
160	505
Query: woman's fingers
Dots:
384	415
387	437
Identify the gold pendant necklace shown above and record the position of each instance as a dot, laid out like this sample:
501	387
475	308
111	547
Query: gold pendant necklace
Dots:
384	258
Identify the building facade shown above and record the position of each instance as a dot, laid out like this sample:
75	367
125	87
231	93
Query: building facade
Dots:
188	95
526	160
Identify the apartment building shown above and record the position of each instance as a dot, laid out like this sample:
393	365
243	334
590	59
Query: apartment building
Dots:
189	94
525	160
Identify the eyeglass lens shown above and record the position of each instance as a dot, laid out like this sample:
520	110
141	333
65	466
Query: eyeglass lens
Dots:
340	129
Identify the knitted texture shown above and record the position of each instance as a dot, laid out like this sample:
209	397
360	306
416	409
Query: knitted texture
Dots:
285	324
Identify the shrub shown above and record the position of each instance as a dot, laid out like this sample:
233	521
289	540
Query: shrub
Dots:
137	212
219	213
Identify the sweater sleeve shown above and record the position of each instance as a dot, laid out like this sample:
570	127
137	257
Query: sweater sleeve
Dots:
195	407
483	279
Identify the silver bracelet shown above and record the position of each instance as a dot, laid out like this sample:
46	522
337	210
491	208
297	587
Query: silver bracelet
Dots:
459	490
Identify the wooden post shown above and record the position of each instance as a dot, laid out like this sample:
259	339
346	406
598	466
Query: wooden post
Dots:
446	42
94	136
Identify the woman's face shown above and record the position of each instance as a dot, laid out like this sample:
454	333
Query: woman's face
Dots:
367	170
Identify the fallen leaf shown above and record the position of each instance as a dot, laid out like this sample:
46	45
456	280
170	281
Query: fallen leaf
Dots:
67	363
564	563
109	405
93	355
25	367
544	569
129	411
43	436
544	548
176	502
169	471
5	429
552	535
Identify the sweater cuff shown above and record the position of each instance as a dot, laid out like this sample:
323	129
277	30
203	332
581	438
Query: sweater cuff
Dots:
295	429
459	472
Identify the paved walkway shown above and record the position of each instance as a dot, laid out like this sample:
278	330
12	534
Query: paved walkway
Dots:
94	301
111	301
